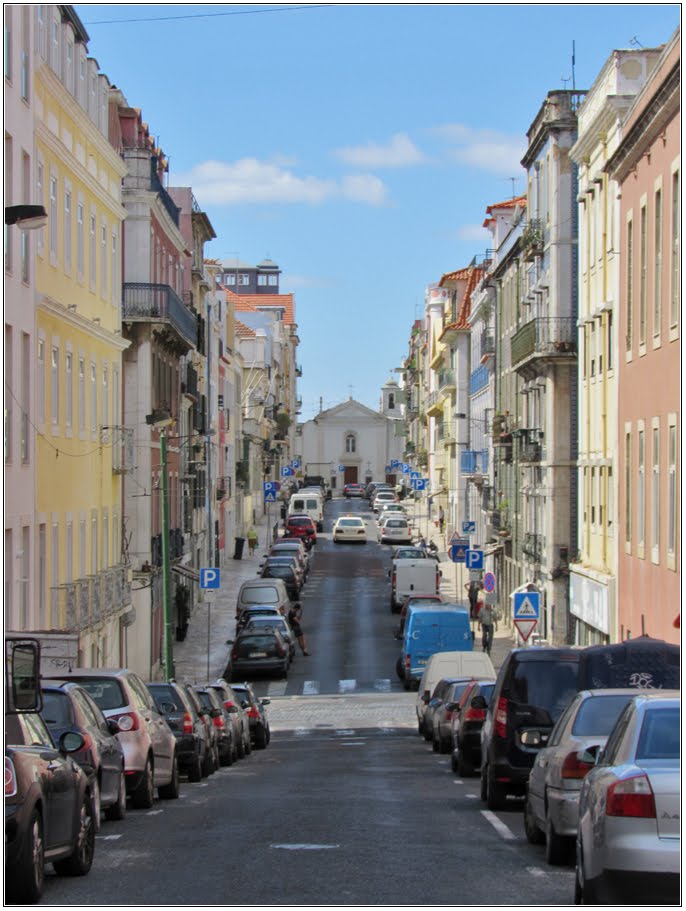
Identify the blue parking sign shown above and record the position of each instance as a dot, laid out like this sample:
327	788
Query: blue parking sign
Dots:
210	578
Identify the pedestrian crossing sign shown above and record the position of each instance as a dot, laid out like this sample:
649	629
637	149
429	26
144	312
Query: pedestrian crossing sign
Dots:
527	606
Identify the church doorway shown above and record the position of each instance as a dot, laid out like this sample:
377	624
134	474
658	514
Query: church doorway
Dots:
350	474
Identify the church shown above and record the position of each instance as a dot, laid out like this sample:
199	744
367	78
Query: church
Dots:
350	443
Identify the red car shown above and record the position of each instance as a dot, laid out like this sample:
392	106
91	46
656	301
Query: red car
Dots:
301	527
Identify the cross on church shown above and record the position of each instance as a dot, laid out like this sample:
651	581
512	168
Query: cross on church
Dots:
351	387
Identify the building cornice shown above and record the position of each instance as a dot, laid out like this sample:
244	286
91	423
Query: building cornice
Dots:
81	323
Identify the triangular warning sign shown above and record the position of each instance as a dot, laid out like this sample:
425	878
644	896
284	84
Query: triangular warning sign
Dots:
526	609
525	627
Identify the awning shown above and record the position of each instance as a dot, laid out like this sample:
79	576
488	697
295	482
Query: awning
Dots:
493	550
186	571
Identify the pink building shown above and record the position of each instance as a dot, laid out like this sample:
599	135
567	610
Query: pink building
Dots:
647	167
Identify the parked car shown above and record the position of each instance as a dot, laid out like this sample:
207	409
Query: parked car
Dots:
301	526
292	546
394	529
533	688
48	807
254	611
68	707
270	592
181	715
310	503
413	576
440	709
642	662
628	848
350	528
465	730
238	715
255	709
453	664
289	560
259	623
353	490
552	798
265	652
288	575
391	509
222	723
211	762
149	745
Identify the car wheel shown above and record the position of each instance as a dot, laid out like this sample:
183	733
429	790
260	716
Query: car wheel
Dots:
464	766
80	862
118	809
260	738
227	758
585	892
443	746
171	791
495	793
436	744
428	733
28	879
557	847
144	795
454	763
484	789
534	835
240	749
248	746
195	768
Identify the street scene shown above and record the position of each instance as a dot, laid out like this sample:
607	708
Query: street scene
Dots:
344	568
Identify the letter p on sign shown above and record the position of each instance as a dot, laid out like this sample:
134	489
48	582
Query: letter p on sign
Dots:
209	578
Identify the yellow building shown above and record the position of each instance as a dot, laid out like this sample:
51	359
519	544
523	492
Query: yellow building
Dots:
81	448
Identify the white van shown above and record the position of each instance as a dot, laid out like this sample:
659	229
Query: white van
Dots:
310	504
450	664
413	577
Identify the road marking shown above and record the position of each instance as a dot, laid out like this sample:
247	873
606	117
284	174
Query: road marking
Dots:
304	847
311	688
108	837
458	781
472	796
382	686
301	732
346	686
154	812
352	743
500	827
277	688
535	871
345	732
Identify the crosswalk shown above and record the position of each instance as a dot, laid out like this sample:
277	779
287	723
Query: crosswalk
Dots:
341	687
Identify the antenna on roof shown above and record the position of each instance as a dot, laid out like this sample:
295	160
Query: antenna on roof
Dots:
634	42
514	180
573	65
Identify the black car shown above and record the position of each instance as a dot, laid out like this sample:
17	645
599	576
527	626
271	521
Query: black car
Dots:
466	726
288	574
68	707
286	560
255	708
222	723
238	716
262	652
533	688
48	807
187	726
211	762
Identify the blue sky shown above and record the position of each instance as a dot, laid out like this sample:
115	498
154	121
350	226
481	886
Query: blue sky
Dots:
357	146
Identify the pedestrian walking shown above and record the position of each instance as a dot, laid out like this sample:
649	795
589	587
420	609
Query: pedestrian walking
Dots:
252	540
294	617
485	618
441	519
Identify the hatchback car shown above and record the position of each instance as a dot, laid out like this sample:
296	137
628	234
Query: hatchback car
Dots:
255	709
48	807
551	811
221	721
259	623
395	509
383	497
292	546
301	527
238	716
270	592
254	611
264	652
186	724
350	528
289	560
439	711
287	574
465	729
211	763
149	746
68	707
628	847
353	490
395	529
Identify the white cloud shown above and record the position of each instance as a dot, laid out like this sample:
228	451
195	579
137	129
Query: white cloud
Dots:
293	282
473	232
398	152
251	181
486	149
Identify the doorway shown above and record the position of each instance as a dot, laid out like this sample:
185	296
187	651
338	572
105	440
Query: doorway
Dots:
350	474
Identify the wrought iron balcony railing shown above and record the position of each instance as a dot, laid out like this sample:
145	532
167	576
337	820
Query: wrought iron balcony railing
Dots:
544	337
145	302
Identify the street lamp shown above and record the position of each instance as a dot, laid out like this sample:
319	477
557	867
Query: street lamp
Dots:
159	420
26	218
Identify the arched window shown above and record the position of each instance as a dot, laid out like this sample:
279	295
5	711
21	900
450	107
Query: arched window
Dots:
350	442
391	401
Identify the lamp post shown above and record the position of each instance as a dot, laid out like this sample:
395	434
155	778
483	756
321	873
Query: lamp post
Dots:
160	420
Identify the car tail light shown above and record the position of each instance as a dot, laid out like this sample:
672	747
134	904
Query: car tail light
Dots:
87	742
475	715
280	651
10	778
573	767
500	725
252	712
631	797
218	722
234	654
187	723
229	705
408	663
128	721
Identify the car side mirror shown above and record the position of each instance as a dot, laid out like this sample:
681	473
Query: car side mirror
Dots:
245	704
426	696
592	755
478	702
215	713
266	701
451	706
71	742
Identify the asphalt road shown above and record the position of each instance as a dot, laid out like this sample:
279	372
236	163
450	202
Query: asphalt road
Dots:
347	805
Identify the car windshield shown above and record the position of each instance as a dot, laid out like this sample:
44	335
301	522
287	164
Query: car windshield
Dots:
396	523
257	640
410	554
260	595
660	734
597	715
107	692
300	521
162	692
279	570
548	685
350	523
57	708
257	622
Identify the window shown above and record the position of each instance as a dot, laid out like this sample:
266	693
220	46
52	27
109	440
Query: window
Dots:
116	408
655	493
80	240
68	389
25	397
25	576
594	494
115	536
273	280
672	503
629	285
627	486
105	395
25	236
674	297
25	48
230	279
8	43
94	399
244	279
69	74
67	231
42	573
610	340
94	542
40	234
113	270
40	398
643	287
262	280
103	260
55	61
610	499
82	548
593	347
53	218
82	395
69	556
657	304
350	442
105	539
9	411
55	385
91	251
9	187
641	490
9	574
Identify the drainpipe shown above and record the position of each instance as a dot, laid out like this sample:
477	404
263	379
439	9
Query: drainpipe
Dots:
605	334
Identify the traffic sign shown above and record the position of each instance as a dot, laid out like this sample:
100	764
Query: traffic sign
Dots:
419	483
474	559
458	539
210	578
270	496
491	598
286	471
406	468
468	528
269	486
489	582
415	474
525	627
527	605
341	467
395	463
458	552
295	463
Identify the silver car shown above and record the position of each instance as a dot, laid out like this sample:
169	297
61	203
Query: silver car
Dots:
149	745
628	848
551	811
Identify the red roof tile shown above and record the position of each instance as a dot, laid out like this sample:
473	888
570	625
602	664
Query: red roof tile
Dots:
251	303
244	331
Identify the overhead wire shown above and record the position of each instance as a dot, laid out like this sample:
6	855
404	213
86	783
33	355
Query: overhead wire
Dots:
243	12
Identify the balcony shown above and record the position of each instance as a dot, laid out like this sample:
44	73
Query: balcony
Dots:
479	379
435	403
446	380
298	370
474	462
487	345
530	445
532	239
189	385
153	303
544	338
532	547
91	600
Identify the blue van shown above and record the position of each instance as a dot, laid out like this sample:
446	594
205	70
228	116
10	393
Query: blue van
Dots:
429	630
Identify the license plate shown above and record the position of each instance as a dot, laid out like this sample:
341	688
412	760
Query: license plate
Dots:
257	655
